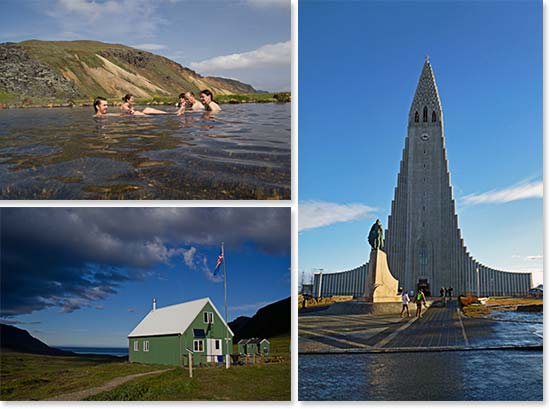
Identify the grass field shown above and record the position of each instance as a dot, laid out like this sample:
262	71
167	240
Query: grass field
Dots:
37	377
260	382
497	304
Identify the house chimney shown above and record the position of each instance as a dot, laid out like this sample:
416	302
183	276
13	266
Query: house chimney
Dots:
154	304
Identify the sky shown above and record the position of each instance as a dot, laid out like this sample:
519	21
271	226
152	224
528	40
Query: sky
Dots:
247	40
359	65
87	276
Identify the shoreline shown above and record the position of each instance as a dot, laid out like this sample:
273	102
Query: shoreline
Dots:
27	102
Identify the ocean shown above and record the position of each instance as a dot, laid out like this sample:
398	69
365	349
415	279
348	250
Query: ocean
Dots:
95	350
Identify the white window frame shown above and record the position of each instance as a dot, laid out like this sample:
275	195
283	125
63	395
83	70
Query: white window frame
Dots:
136	346
208	317
145	346
200	344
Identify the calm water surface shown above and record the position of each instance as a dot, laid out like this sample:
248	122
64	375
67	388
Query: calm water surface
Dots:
242	152
96	350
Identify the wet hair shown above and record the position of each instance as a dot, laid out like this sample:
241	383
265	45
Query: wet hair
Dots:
208	92
127	97
97	100
182	95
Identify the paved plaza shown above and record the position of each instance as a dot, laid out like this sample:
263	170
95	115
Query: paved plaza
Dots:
442	328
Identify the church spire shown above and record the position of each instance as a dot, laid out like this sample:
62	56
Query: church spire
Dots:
426	105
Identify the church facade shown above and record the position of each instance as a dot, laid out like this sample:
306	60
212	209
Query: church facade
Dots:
423	243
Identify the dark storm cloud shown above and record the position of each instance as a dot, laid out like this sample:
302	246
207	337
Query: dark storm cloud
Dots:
71	258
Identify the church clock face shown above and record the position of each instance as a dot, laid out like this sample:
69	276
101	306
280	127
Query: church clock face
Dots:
424	137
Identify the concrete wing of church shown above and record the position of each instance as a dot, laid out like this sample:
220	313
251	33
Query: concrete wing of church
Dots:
423	241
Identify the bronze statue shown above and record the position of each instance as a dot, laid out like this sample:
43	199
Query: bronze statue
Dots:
376	236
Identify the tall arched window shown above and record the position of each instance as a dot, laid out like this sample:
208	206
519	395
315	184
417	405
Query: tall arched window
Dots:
416	117
434	116
425	115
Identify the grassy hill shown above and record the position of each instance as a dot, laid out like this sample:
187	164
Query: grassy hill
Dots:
271	320
15	339
71	70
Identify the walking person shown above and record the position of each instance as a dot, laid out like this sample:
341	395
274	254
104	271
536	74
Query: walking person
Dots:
405	301
420	299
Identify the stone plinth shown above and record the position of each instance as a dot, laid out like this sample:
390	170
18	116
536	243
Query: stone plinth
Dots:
381	285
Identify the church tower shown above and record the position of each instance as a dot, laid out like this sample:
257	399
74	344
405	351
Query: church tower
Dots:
423	241
424	245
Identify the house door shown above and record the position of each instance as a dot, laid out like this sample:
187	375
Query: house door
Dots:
213	349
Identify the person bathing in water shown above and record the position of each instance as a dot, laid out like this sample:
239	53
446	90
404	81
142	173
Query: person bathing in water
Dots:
101	106
188	101
207	99
127	107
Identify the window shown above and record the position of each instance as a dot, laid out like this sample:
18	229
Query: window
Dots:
199	333
136	345
146	346
434	116
425	115
208	317
198	345
217	344
416	117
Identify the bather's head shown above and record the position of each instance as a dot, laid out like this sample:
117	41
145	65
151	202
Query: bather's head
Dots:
206	96
190	96
100	106
128	98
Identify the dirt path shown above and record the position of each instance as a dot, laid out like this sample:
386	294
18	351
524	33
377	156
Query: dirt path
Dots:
107	387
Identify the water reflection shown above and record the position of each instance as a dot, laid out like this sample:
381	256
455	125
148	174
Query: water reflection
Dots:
242	152
465	375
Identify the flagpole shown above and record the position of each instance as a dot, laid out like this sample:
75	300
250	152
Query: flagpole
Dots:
225	301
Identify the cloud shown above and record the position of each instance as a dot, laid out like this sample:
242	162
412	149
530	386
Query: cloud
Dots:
150	47
316	214
269	3
524	190
107	19
17	322
72	258
268	55
189	257
530	258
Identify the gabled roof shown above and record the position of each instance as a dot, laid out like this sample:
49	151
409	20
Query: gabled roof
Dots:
253	341
174	319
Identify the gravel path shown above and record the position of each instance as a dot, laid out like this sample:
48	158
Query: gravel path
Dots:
107	387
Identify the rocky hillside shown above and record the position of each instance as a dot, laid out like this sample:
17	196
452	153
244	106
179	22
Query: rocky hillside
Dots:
83	69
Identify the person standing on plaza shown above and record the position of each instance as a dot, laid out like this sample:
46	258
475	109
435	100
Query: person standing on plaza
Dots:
405	301
420	299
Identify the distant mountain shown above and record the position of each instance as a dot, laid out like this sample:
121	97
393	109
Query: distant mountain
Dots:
271	320
15	339
85	69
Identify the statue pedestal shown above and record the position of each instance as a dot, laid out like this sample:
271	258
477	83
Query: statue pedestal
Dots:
381	286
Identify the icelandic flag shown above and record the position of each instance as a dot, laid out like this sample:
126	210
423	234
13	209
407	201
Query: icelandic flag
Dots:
219	262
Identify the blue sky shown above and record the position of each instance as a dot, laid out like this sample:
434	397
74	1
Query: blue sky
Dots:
87	276
248	40
359	64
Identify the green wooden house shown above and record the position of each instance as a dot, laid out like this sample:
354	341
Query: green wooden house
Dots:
251	346
166	335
